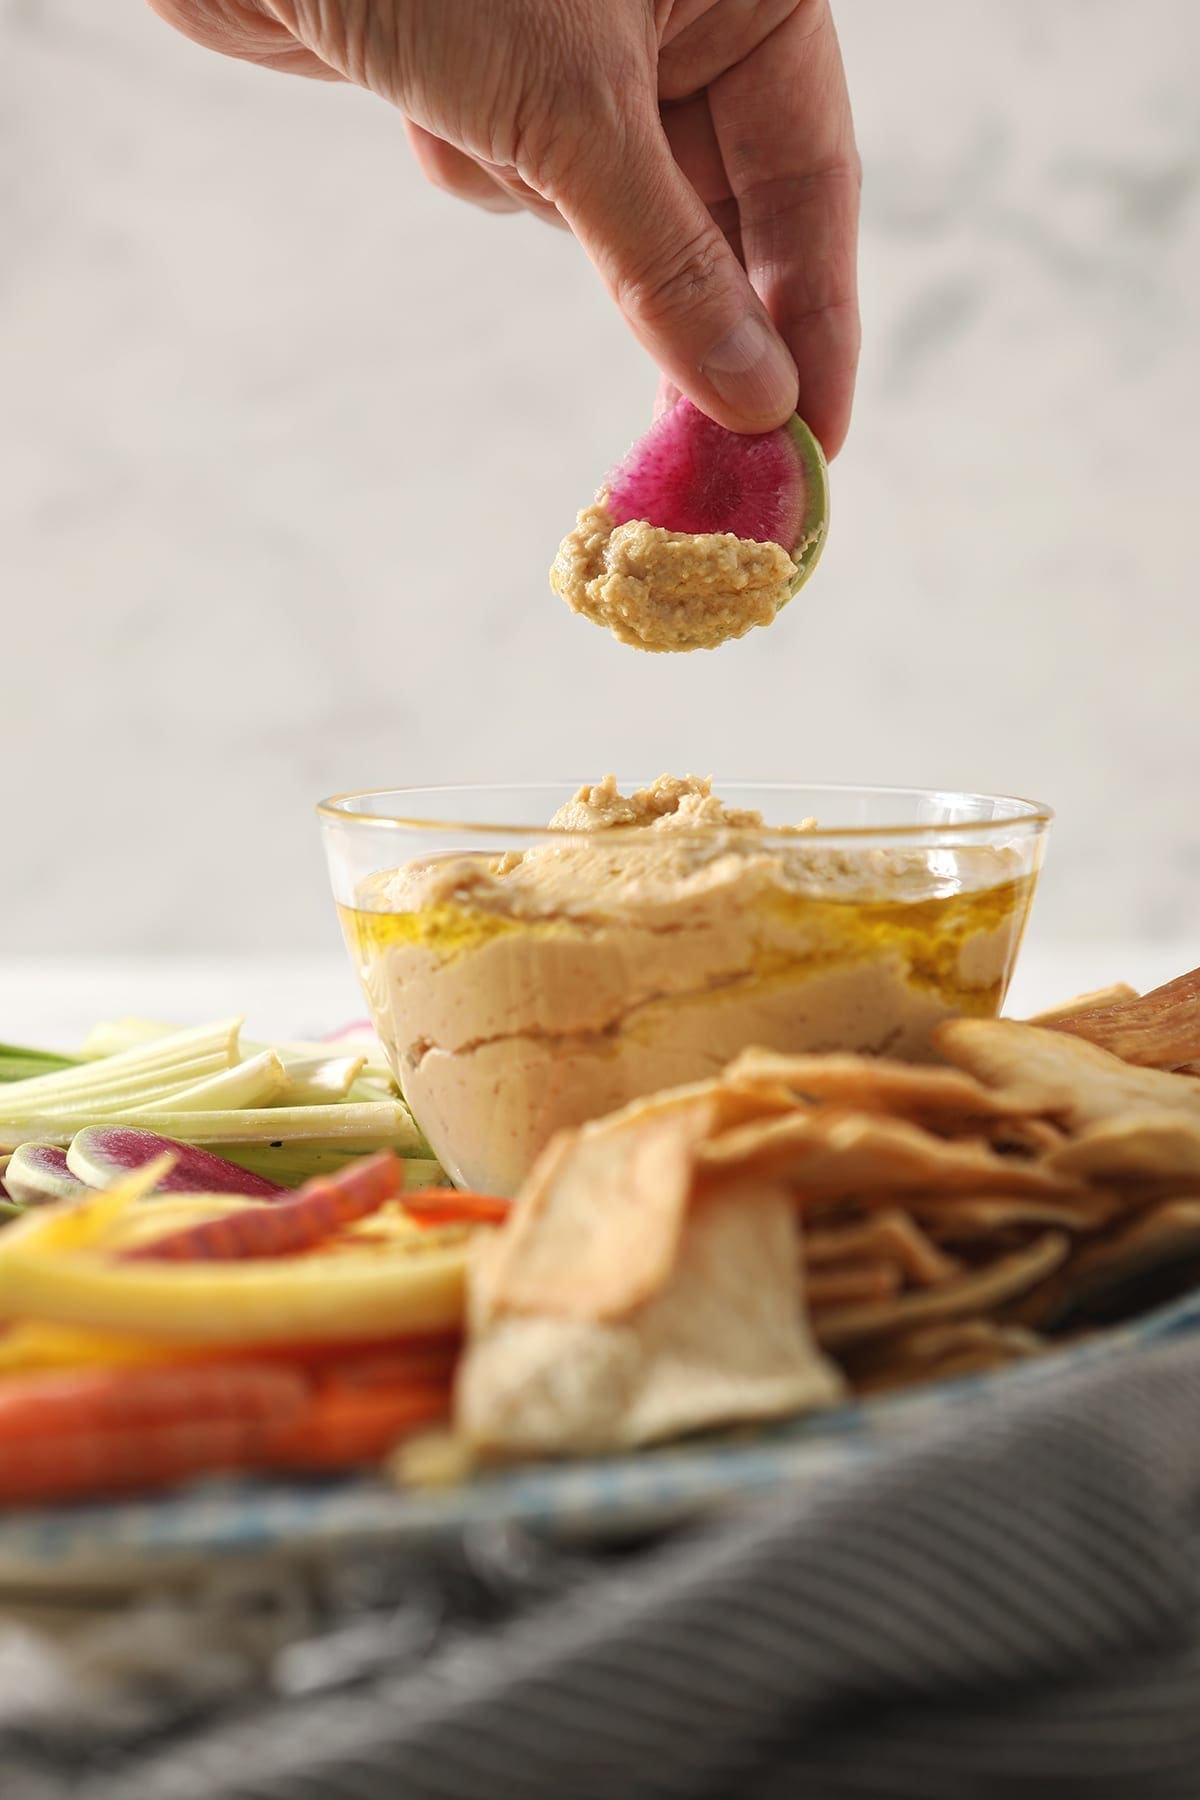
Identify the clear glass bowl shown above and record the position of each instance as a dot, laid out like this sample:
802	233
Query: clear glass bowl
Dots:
524	979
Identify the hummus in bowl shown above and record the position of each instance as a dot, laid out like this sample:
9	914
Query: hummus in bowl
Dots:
528	978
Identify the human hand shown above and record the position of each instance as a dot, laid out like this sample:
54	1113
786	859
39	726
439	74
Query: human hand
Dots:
701	151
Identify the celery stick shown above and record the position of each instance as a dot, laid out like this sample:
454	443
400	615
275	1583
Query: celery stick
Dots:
423	1172
317	1080
369	1125
291	1164
260	1081
150	1062
112	1094
379	1123
20	1064
374	1067
113	1036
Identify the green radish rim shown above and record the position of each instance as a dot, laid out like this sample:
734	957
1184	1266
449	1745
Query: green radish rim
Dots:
815	526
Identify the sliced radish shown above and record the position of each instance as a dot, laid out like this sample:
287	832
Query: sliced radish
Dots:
39	1172
101	1154
688	474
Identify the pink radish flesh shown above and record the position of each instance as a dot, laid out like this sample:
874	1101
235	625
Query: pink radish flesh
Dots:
38	1172
689	474
103	1153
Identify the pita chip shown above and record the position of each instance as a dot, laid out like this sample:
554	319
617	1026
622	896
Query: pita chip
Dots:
595	1229
722	1342
848	1283
1054	1072
1114	995
828	1154
891	1234
975	1292
943	1352
964	1217
1147	1146
1159	1030
1152	1240
919	1092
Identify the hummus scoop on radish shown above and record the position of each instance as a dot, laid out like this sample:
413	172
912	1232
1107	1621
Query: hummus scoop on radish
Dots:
698	534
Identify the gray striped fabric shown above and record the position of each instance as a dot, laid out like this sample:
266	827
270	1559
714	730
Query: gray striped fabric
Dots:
1007	1606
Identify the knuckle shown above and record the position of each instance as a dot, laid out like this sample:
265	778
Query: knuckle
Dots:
781	197
587	104
678	285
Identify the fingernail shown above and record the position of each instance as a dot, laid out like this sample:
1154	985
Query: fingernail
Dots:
752	371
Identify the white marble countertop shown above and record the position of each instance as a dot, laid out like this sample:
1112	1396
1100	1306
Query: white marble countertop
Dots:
51	1002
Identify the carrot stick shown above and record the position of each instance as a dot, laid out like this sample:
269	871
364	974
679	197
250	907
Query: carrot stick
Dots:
119	1399
345	1430
30	1348
379	1367
84	1465
335	1430
448	1206
314	1212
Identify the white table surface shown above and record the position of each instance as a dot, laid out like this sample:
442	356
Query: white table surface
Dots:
53	1002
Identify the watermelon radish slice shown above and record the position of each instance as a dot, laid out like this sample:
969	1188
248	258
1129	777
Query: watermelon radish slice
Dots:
689	474
38	1172
102	1154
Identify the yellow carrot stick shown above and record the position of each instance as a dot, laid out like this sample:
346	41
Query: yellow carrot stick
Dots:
32	1345
347	1294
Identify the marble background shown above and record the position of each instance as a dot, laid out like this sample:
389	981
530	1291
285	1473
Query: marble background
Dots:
287	441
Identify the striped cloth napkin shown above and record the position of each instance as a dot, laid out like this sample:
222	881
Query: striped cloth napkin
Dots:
1005	1605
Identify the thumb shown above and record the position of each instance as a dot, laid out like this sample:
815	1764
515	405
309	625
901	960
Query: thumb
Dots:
679	285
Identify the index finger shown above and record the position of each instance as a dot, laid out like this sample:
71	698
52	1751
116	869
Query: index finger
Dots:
782	118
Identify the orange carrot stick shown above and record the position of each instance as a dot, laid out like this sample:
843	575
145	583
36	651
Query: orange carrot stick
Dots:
376	1368
335	1430
118	1399
449	1206
86	1465
416	1358
346	1430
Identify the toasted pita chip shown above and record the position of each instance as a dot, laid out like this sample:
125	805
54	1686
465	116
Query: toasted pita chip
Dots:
1053	1072
963	1218
932	1341
1147	1146
1029	1136
1163	1235
873	1084
975	1292
890	1234
1115	995
943	1353
827	1154
722	1342
595	1229
1159	1030
850	1283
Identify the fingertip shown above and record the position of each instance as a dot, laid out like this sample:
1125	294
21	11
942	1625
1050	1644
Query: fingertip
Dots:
826	398
747	421
830	427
